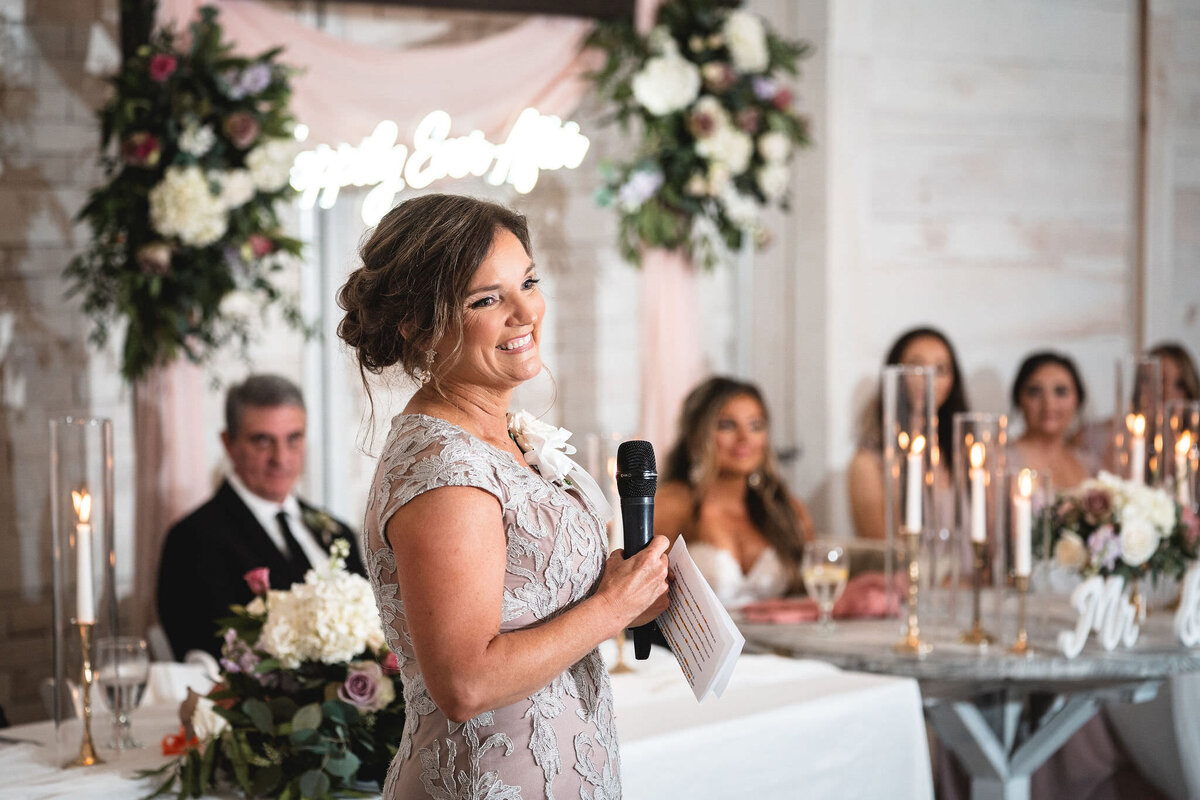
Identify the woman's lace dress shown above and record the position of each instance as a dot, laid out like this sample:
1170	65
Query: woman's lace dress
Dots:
560	742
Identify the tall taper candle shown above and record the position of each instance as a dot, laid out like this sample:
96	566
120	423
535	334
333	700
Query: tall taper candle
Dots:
978	495
914	483
1137	449
85	604
1023	525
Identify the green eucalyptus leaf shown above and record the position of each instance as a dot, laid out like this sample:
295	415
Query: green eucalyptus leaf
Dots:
314	783
307	718
259	714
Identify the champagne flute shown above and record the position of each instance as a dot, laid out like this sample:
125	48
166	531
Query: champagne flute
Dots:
825	569
122	670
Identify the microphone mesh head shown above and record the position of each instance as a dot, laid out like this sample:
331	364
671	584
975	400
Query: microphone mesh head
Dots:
637	473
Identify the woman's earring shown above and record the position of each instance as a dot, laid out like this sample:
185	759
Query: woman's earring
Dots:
427	371
754	479
695	474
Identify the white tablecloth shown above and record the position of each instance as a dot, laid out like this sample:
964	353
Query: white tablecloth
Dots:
784	729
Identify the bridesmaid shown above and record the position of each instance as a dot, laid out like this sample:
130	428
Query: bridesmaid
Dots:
1050	395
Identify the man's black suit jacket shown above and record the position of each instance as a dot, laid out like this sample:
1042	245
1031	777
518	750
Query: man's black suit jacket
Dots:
204	559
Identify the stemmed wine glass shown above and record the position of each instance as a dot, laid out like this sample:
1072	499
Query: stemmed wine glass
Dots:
122	670
825	568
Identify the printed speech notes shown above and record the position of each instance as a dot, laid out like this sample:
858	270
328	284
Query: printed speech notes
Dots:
704	638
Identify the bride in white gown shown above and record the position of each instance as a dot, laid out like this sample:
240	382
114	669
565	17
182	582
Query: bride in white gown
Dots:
724	494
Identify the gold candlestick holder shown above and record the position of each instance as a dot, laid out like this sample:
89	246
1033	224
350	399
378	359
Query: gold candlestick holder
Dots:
911	644
977	635
620	667
1021	646
87	751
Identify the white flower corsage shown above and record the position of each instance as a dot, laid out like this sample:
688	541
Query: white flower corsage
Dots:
546	448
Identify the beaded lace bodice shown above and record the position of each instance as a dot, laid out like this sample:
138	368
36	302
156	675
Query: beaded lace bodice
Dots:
561	741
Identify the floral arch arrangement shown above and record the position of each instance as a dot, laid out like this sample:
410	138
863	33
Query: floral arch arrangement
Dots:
197	146
718	126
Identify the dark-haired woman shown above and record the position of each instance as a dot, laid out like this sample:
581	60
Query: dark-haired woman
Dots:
919	347
723	492
1050	395
490	574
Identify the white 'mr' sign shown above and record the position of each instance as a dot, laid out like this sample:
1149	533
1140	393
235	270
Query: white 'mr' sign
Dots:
1187	617
1102	608
536	142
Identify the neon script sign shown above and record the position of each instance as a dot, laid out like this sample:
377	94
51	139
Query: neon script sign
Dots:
537	142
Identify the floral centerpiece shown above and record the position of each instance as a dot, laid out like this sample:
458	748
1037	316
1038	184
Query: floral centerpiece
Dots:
1109	526
196	146
309	704
718	126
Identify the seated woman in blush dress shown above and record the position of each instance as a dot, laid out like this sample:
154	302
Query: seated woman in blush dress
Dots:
1050	395
918	347
723	492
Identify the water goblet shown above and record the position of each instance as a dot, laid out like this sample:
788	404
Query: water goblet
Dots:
825	569
122	670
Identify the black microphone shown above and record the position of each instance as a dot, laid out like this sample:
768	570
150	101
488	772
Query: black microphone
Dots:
637	479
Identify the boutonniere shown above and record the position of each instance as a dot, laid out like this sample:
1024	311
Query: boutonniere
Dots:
320	523
544	446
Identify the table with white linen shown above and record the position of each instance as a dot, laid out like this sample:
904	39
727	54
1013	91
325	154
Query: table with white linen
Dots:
784	728
979	701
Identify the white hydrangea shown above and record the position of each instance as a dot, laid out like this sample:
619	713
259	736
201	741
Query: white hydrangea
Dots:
329	618
270	164
183	205
666	84
747	41
196	140
206	722
774	147
729	146
774	179
742	209
237	186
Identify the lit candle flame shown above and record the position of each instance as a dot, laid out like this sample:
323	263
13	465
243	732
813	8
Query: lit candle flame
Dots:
977	455
1139	425
83	505
1025	483
918	445
902	440
1184	445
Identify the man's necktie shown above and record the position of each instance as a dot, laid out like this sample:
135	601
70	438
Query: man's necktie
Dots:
296	559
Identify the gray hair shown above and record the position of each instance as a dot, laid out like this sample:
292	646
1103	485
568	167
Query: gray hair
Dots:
259	391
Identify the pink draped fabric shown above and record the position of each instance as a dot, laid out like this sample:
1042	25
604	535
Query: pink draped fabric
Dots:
172	477
671	359
346	89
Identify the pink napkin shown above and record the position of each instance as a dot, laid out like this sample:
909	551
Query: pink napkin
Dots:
864	598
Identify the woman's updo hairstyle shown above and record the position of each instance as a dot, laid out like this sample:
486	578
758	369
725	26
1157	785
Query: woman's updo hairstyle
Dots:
411	289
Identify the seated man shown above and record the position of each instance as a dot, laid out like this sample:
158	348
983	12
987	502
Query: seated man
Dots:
254	519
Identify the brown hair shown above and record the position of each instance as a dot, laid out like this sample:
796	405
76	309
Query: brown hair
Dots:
1183	360
411	289
692	460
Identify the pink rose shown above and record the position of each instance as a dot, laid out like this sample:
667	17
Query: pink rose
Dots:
1097	505
749	120
391	664
141	149
260	245
782	99
161	67
258	579
242	129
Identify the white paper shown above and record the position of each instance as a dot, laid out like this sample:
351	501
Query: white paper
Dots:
702	635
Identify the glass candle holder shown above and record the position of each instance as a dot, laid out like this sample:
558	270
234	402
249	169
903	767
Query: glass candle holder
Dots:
85	608
1030	494
1181	449
980	442
910	443
1137	420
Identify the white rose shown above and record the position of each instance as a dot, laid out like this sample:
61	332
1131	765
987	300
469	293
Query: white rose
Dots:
1139	540
773	179
775	147
1070	551
742	209
544	445
237	187
728	145
747	41
270	164
666	84
206	722
196	141
710	106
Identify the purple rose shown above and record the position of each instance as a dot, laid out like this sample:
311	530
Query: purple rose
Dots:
1105	547
366	687
765	88
1097	505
